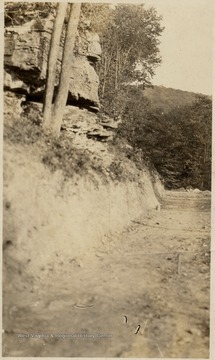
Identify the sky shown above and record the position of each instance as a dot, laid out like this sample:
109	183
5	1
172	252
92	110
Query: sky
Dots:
186	44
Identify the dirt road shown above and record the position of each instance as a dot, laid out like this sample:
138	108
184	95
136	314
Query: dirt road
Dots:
146	293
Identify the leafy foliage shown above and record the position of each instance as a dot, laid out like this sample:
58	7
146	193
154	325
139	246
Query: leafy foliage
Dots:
129	50
178	143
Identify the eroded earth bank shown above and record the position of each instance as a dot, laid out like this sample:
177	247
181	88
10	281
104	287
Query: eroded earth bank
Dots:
147	288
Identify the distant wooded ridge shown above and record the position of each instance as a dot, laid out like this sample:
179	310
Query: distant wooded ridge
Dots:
168	98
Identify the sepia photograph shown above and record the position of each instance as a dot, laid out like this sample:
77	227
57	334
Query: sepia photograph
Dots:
107	179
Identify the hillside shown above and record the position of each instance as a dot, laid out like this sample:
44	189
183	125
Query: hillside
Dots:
99	258
168	98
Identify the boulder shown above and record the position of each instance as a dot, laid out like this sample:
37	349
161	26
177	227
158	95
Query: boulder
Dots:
25	60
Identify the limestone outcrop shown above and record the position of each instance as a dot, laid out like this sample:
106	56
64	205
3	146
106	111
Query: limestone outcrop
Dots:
25	62
78	122
25	67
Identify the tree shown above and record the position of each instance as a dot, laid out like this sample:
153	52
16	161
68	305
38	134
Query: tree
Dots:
177	143
53	121
52	64
96	14
129	49
200	134
63	89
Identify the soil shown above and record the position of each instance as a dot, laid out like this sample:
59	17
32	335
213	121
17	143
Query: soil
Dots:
145	293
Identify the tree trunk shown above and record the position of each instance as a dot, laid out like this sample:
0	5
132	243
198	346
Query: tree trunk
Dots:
64	80
116	70
52	64
104	77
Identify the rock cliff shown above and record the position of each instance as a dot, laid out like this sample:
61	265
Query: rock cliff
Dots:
25	60
25	66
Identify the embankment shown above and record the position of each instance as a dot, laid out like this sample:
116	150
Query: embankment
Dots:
49	221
